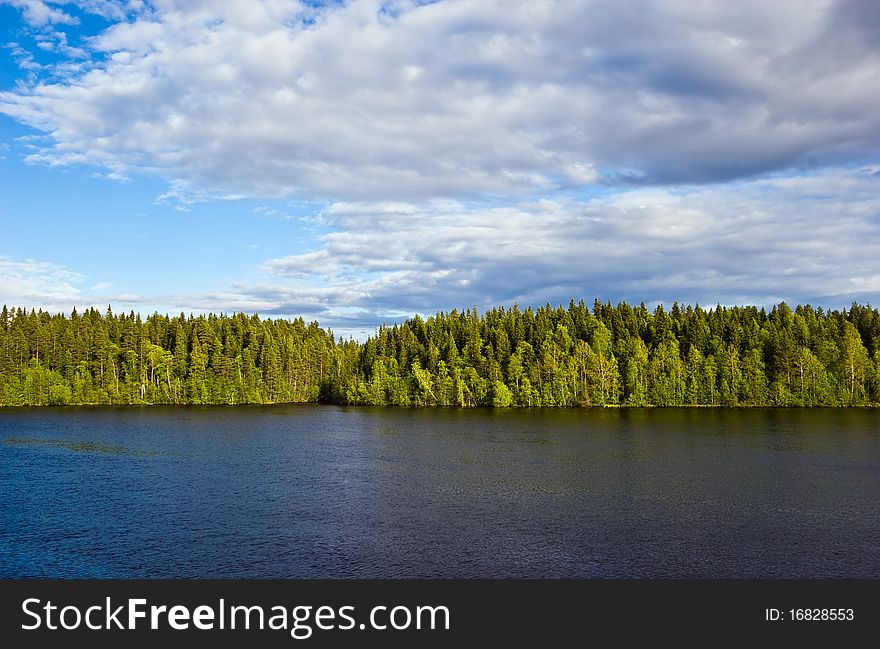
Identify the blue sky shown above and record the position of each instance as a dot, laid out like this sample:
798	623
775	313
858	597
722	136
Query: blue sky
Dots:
362	161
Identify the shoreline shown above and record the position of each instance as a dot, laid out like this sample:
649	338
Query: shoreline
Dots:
98	406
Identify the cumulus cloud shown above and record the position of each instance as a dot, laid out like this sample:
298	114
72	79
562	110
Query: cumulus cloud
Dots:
812	238
478	152
373	100
38	284
38	13
44	13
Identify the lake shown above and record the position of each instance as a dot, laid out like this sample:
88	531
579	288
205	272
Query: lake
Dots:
326	491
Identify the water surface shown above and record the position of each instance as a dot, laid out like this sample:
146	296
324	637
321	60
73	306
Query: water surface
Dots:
325	491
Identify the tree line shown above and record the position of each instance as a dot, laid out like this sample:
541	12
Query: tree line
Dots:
506	357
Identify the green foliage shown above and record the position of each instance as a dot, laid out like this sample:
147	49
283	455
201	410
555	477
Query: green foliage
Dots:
91	358
575	356
501	395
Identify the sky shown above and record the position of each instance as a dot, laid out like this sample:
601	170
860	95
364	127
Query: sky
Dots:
359	162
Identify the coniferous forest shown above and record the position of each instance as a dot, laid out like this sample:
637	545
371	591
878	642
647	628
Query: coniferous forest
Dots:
575	356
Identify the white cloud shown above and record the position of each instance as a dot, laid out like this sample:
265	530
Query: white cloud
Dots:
45	13
457	99
452	145
37	13
38	284
810	239
56	41
813	238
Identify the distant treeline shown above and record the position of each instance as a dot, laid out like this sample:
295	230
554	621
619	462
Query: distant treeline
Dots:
575	356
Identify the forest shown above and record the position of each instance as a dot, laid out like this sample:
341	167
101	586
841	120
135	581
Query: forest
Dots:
506	357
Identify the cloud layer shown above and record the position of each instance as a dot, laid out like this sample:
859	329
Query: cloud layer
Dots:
398	101
812	238
478	152
40	284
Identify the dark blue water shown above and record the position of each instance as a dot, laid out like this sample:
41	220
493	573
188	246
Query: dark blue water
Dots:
322	491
